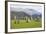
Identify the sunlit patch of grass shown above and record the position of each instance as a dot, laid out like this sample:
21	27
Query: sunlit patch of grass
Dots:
24	24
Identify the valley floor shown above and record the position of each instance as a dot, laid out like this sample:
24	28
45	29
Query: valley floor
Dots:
23	24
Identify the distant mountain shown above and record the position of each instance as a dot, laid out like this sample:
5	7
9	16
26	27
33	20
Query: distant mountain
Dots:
18	14
27	12
32	12
36	16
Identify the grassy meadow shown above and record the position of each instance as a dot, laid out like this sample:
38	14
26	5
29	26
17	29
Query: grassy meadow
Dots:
15	24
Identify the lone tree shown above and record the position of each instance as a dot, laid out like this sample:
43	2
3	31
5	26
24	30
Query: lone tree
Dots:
15	20
27	19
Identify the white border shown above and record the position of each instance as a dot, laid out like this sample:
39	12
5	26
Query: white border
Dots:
25	29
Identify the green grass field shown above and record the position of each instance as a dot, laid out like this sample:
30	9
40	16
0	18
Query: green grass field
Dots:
24	24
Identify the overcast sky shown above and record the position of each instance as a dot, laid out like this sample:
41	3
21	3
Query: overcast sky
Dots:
14	7
27	8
